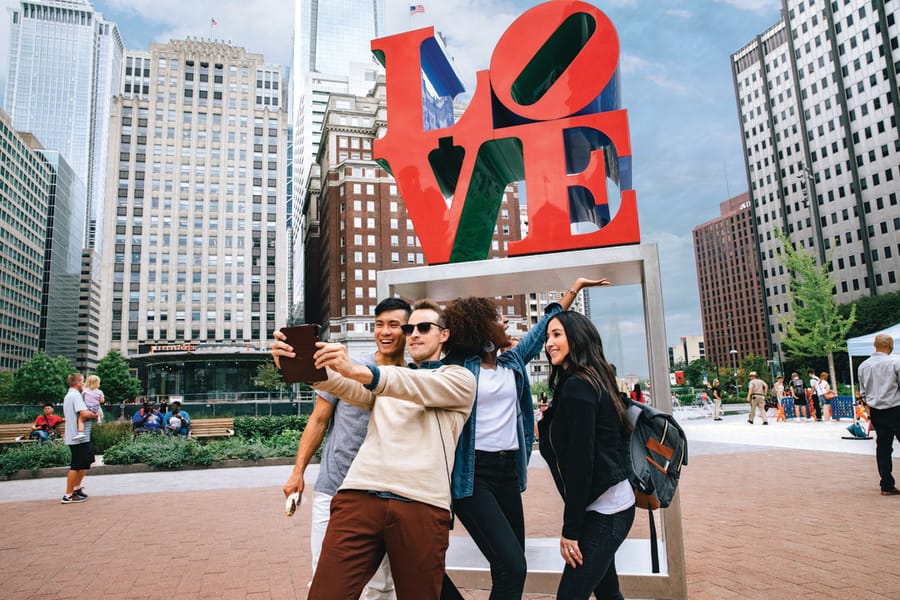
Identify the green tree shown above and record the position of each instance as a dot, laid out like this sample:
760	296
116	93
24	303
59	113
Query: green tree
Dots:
753	362
873	313
41	379
268	377
815	327
117	383
6	387
697	369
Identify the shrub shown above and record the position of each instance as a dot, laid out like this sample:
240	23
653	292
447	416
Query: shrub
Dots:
264	428
165	452
108	434
32	457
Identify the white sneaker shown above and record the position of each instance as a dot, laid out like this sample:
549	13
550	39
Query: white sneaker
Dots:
78	437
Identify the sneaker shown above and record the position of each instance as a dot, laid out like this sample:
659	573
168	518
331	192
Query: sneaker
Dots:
78	437
765	422
892	492
73	499
80	493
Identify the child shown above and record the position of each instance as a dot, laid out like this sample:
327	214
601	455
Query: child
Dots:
93	398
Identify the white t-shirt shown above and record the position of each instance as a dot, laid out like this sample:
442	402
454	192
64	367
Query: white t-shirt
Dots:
614	500
495	414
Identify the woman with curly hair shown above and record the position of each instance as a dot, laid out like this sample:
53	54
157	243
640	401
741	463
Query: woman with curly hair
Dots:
584	439
489	472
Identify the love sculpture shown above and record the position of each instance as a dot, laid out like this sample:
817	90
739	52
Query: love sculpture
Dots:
546	112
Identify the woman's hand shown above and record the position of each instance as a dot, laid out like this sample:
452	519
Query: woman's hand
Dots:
570	552
582	283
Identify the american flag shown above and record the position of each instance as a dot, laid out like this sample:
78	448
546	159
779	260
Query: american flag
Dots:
416	8
213	22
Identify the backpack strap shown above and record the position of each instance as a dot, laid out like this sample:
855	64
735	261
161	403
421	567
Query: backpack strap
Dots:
654	549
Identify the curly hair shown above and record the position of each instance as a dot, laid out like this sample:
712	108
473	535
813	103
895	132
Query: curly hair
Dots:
473	325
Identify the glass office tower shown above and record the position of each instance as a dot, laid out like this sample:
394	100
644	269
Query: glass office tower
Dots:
64	66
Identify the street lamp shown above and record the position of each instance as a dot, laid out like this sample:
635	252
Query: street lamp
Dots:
733	353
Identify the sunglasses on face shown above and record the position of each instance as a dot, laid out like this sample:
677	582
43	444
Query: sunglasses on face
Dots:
423	327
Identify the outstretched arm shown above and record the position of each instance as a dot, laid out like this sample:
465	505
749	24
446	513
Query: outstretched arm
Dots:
568	297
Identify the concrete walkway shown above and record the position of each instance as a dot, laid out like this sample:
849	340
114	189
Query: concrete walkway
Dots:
784	511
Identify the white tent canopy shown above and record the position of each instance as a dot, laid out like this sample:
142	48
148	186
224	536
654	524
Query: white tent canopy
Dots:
863	345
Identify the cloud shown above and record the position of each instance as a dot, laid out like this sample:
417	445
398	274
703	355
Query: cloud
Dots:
680	13
758	6
655	73
263	26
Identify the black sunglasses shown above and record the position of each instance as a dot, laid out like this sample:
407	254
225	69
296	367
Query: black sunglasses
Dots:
423	327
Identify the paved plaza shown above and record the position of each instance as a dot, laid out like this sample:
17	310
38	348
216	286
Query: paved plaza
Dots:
785	511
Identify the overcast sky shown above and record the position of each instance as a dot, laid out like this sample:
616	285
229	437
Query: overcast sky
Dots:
676	84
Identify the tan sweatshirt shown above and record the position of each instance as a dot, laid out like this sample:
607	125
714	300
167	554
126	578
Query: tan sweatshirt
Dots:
417	416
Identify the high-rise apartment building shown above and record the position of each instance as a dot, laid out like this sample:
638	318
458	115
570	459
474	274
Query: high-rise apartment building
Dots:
64	67
331	55
196	253
728	278
818	100
24	196
358	224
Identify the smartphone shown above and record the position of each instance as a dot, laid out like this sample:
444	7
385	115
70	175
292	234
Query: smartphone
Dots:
302	368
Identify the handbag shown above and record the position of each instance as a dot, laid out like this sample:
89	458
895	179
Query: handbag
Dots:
830	395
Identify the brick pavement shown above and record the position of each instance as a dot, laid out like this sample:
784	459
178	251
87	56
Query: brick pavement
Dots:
772	524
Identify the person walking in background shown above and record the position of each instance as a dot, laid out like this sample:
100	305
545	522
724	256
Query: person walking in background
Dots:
82	453
879	387
636	394
798	390
346	426
584	439
716	392
756	396
491	466
825	395
93	399
814	393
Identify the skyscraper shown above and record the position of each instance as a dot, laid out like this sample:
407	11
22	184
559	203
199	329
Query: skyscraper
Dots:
196	224
64	67
24	189
331	55
819	108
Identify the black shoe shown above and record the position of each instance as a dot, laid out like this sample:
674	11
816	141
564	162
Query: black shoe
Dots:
719	419
749	421
765	422
893	492
74	499
80	493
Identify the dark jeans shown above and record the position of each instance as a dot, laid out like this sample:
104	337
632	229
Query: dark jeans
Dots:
817	406
600	537
886	422
494	518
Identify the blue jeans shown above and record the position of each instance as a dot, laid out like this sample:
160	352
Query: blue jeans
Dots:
41	435
494	518
600	537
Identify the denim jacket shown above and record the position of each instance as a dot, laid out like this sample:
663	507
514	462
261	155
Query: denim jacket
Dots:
516	359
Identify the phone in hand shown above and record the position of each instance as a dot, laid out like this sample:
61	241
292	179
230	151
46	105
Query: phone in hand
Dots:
302	368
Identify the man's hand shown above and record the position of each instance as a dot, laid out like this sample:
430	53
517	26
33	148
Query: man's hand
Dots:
294	484
281	348
336	358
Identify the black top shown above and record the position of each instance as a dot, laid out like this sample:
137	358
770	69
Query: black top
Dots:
585	446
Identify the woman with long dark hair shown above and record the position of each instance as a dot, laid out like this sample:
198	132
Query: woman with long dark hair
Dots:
490	468
583	438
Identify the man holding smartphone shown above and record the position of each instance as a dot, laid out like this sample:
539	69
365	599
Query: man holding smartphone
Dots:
346	426
395	499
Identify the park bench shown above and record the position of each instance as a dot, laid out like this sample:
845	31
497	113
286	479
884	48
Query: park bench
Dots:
20	433
210	428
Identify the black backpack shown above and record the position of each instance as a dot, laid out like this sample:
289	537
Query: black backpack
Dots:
658	450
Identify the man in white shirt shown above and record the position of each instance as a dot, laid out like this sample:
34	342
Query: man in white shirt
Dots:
879	387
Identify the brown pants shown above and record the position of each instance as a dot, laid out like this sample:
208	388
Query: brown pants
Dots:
363	527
